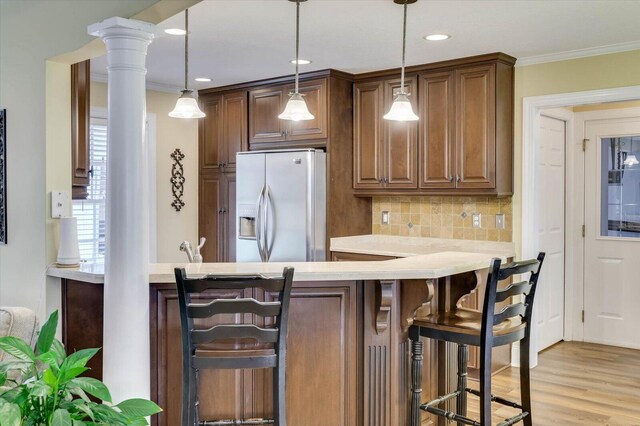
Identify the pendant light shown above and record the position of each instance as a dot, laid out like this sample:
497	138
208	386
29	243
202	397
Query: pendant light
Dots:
187	105
296	108
631	159
401	109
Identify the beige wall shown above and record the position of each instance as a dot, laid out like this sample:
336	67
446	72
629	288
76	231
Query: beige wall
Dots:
577	75
30	33
442	217
171	133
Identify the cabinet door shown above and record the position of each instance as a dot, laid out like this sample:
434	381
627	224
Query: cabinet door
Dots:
400	140
210	217
264	107
367	137
315	95
437	131
80	84
210	133
234	113
230	217
476	127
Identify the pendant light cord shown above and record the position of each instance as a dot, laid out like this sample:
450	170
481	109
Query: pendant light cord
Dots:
404	48
186	48
297	42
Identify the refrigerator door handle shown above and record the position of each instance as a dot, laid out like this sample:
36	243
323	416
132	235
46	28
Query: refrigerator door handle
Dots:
259	224
269	206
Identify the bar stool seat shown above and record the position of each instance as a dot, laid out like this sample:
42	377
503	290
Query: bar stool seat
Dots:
465	321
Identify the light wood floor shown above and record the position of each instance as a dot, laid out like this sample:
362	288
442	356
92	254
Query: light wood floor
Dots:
576	384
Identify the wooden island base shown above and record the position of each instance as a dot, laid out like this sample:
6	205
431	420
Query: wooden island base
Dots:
347	358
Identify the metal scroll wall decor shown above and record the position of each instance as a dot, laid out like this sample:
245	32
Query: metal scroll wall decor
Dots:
177	179
3	176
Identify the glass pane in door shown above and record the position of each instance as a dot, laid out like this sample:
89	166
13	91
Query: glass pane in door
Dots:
620	187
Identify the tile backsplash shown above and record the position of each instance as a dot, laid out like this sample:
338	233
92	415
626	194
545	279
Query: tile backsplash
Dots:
443	217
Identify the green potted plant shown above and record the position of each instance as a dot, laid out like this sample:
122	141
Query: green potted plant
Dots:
45	387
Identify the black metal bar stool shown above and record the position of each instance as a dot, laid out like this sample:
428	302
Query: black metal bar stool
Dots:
487	330
193	338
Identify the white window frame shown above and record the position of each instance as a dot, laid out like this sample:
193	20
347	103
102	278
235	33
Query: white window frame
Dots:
101	113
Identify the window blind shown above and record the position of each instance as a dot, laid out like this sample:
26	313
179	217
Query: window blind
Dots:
91	212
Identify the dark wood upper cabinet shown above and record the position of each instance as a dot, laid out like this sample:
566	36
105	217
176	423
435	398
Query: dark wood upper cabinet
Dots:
476	127
465	131
315	95
80	109
437	130
210	132
400	139
265	105
385	152
368	157
268	131
234	124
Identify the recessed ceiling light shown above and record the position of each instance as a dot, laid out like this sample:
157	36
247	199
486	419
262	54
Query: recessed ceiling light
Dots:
301	61
175	31
437	37
203	79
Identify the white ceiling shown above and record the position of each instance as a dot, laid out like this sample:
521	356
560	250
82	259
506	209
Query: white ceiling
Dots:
234	41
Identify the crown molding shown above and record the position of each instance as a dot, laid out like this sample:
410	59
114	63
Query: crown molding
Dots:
158	87
579	53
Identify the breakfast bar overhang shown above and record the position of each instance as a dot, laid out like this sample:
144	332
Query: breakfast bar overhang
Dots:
348	352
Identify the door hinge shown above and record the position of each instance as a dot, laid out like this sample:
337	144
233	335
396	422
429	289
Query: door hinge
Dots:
584	144
583	315
583	231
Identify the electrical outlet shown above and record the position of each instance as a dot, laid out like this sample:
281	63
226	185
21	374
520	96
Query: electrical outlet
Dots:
476	220
500	221
59	204
385	217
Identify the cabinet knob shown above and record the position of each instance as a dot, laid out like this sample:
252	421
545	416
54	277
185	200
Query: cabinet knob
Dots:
451	179
457	178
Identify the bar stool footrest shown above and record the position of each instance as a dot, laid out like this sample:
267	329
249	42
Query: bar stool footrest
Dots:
231	422
513	420
450	415
497	399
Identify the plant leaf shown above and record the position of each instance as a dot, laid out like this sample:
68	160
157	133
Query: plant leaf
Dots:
81	357
50	359
138	408
9	414
17	348
71	373
17	395
40	389
3	378
61	417
50	377
93	387
58	348
47	333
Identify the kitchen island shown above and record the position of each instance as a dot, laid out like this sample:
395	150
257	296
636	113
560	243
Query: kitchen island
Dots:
347	359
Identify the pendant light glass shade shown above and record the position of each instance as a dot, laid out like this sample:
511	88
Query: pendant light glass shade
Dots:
401	109
631	160
187	104
296	108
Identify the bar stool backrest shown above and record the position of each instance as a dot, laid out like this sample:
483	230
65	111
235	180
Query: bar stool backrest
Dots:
522	308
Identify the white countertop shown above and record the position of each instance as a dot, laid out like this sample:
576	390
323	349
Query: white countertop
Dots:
418	258
396	246
423	266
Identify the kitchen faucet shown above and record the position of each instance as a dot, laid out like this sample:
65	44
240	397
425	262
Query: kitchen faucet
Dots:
187	248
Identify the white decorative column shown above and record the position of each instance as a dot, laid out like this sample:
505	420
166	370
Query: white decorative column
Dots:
126	350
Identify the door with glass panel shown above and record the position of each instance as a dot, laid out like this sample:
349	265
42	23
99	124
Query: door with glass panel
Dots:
612	232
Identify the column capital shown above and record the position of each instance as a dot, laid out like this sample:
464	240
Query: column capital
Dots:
116	24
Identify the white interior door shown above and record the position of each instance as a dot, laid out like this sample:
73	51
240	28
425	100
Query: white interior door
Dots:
549	304
612	237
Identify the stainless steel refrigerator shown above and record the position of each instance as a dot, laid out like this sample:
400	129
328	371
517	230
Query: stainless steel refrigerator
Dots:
281	206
